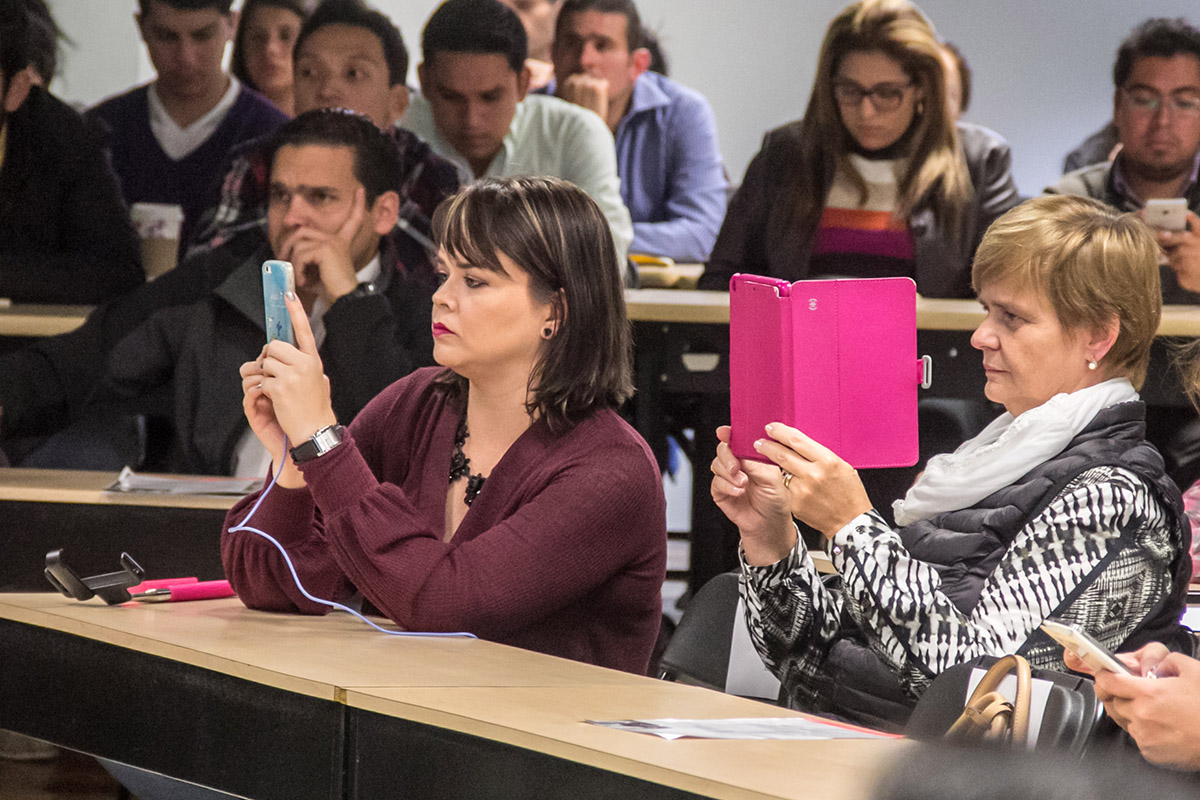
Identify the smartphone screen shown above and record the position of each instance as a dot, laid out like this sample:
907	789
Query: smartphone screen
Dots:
278	279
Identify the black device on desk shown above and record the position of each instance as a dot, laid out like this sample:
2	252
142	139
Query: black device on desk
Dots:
111	587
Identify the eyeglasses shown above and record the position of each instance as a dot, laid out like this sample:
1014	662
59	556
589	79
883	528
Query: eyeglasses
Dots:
884	96
1144	101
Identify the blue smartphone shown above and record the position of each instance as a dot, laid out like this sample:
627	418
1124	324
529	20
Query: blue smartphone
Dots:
278	279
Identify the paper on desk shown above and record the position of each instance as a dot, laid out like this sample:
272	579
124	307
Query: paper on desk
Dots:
130	481
747	728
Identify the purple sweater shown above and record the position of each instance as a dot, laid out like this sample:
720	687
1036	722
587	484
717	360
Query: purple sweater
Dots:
563	551
148	175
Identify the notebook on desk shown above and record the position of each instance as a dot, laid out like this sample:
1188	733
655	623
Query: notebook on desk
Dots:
836	359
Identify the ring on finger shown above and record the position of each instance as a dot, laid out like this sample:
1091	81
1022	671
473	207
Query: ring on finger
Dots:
787	480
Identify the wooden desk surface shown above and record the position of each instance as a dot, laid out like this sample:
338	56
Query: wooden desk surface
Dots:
79	486
680	305
477	689
551	720
40	320
316	656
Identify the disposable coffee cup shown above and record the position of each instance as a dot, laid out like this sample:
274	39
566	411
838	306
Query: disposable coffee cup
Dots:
158	226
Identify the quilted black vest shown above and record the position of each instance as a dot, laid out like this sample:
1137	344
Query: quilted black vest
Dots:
965	546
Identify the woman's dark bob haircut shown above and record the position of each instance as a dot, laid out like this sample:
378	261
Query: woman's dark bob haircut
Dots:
558	235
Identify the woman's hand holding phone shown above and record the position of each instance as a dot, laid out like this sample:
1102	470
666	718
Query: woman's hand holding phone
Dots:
286	392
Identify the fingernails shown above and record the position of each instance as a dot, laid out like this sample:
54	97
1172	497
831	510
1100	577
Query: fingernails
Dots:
770	428
291	295
759	444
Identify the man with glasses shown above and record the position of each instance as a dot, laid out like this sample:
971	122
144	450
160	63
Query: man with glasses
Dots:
1156	111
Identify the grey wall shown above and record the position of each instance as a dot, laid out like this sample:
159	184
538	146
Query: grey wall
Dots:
1042	69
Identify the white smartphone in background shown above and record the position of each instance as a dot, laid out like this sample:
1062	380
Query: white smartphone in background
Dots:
1090	651
278	279
1168	215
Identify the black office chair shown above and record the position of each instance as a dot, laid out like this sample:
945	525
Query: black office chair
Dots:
698	653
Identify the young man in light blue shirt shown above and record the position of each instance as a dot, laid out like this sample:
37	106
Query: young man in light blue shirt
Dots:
672	179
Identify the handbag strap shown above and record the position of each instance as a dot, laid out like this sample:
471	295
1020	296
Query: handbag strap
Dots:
982	702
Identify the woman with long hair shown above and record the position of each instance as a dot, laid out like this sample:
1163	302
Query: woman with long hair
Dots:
262	48
877	179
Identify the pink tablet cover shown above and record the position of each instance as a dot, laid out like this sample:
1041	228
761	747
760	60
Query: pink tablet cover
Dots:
845	367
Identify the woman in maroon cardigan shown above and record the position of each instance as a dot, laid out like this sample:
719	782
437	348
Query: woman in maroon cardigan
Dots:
500	494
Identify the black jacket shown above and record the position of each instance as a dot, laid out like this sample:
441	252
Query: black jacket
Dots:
763	236
197	349
65	235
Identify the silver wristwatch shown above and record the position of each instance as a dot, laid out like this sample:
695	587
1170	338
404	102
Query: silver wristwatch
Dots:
319	444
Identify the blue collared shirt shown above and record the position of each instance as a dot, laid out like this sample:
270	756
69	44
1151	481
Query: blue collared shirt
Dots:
672	179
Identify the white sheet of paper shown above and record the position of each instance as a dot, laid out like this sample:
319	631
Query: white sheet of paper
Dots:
130	481
744	728
1039	694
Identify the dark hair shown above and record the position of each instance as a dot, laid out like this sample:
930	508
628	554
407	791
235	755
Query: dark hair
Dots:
658	54
626	8
964	75
556	233
936	170
237	62
476	26
1160	37
189	5
43	38
376	158
360	15
14	39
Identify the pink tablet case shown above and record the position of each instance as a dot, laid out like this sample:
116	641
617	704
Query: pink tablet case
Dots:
836	359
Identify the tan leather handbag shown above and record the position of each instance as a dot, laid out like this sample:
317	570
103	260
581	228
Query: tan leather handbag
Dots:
988	715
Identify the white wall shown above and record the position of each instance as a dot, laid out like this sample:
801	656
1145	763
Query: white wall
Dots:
1042	69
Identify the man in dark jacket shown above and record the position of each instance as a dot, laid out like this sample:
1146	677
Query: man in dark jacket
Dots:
332	212
65	235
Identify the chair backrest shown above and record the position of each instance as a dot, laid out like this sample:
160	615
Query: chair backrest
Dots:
698	653
712	646
1070	716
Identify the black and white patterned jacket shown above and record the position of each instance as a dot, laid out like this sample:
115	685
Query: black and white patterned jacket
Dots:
1095	536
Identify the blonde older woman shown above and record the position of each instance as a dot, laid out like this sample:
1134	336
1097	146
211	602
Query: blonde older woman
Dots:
1058	508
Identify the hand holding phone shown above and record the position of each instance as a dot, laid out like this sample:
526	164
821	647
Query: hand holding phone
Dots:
1083	645
1168	214
278	279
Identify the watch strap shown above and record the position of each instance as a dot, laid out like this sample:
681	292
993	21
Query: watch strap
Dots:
318	444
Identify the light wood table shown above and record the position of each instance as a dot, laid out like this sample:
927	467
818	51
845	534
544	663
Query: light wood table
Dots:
551	721
695	306
21	319
284	706
44	510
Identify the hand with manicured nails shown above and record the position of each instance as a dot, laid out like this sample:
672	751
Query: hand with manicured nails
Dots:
825	492
751	494
285	391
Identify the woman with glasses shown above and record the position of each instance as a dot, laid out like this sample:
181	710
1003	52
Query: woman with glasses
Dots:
876	180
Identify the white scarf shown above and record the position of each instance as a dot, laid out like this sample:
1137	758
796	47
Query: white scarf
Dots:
1006	449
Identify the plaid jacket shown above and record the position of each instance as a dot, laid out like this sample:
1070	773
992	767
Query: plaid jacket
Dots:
428	179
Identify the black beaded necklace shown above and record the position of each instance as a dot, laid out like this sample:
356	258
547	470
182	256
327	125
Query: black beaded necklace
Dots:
460	465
